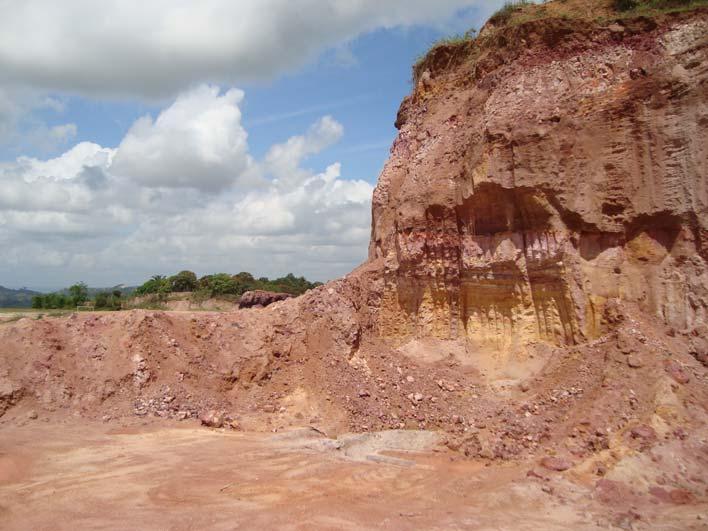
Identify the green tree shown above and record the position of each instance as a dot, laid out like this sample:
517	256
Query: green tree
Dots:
101	300
244	282
51	300
78	294
184	281
108	300
219	284
157	284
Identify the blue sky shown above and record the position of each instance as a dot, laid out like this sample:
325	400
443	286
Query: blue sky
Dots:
92	190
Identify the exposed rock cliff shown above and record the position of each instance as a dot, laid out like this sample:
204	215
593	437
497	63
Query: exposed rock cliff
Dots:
542	170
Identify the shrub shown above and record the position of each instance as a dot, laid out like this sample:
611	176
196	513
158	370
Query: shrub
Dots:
624	5
200	295
101	300
108	301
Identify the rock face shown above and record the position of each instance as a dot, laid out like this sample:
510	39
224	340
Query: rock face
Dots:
260	298
551	167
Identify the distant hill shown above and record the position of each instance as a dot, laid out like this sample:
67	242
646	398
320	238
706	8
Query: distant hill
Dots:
16	298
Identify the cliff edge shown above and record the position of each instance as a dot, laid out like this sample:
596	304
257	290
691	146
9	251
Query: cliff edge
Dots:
542	170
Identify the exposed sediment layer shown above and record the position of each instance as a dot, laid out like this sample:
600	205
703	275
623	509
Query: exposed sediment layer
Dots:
531	183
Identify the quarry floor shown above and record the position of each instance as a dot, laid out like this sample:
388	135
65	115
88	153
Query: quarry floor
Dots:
72	474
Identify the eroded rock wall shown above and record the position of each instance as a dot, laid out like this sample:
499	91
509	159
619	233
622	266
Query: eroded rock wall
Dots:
561	165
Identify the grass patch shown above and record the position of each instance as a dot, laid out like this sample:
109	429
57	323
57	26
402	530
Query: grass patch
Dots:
519	12
507	11
514	13
452	40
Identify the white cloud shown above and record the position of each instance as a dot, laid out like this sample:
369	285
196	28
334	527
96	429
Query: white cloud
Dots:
156	48
126	208
283	160
197	142
68	165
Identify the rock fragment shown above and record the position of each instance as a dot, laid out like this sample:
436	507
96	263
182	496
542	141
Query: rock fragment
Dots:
677	372
557	464
212	419
634	361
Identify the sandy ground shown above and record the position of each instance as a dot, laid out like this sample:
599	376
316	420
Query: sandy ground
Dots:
71	475
169	477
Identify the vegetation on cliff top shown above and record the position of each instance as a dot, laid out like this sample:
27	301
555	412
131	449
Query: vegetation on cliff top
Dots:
523	11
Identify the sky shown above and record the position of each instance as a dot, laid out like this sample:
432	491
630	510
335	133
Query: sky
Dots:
143	138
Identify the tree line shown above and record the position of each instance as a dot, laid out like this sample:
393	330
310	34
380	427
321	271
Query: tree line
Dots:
78	295
223	284
216	285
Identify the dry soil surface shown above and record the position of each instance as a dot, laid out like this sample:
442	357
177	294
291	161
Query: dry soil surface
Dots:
69	474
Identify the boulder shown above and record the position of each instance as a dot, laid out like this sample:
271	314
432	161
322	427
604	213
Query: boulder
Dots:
261	299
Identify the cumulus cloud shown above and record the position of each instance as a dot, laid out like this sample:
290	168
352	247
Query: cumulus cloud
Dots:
66	166
197	142
156	48
96	208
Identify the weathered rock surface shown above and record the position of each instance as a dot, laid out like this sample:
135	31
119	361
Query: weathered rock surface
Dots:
260	298
557	166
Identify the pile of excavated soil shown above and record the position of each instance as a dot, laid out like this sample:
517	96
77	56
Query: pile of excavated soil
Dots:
627	391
